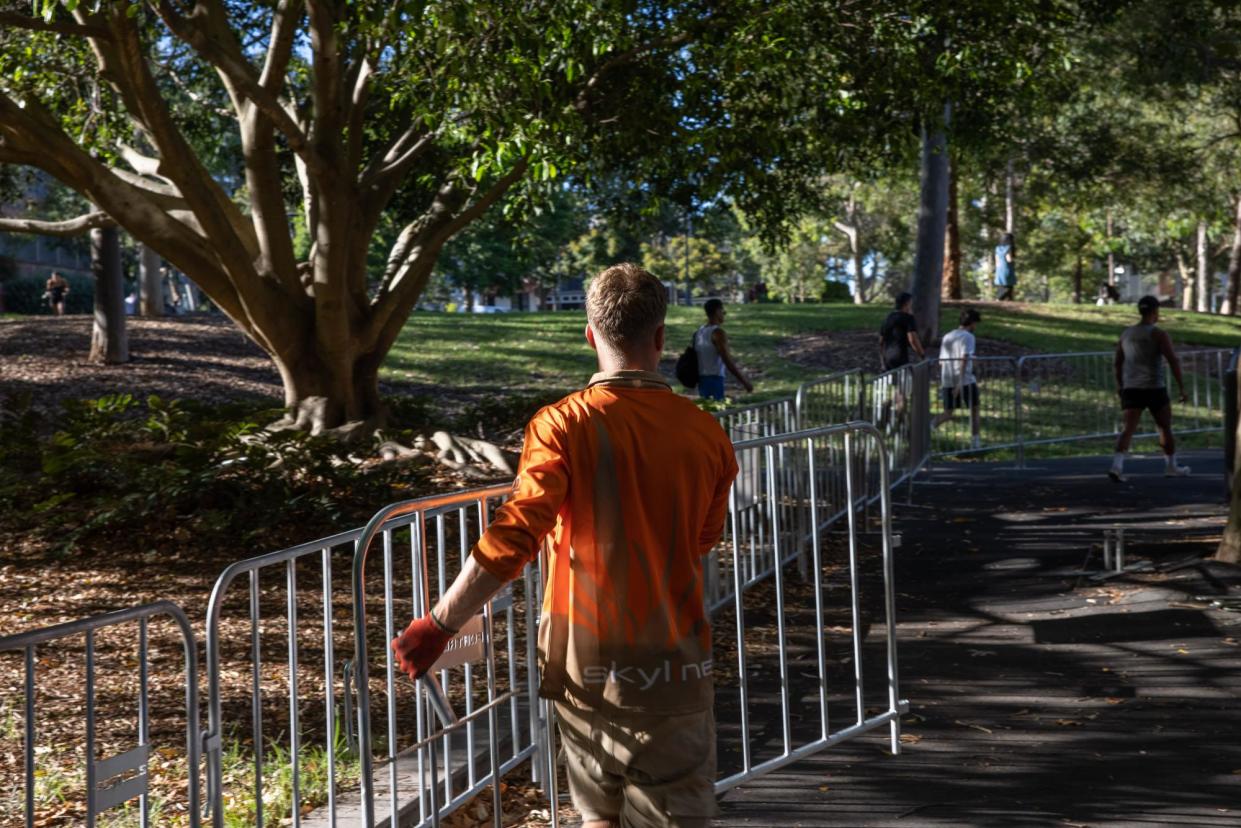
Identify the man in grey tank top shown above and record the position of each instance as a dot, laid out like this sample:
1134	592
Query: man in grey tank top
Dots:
1140	381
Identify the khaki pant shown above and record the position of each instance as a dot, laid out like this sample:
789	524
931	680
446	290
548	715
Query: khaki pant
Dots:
643	770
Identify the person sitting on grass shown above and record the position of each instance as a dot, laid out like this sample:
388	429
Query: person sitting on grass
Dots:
631	482
957	385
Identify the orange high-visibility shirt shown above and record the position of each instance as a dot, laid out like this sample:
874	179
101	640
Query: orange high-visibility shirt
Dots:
631	482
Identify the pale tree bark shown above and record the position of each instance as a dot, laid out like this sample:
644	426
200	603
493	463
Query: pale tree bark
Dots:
326	331
1202	291
1234	265
109	343
852	232
932	220
952	239
1111	257
1077	279
1010	198
150	284
1184	280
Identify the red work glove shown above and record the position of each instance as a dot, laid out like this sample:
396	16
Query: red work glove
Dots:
420	645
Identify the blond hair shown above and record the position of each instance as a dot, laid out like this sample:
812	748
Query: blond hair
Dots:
625	304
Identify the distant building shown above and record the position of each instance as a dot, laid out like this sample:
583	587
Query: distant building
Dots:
38	256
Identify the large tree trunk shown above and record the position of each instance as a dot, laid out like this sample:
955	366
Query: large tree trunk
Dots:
1184	281
1111	257
952	239
1234	265
932	220
859	293
108	343
150	287
1010	199
1202	292
1077	279
849	227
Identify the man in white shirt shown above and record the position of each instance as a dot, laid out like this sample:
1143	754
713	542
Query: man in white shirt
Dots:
957	384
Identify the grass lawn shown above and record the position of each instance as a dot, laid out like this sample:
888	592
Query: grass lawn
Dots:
545	352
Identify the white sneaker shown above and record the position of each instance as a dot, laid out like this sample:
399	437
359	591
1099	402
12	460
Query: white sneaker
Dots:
1176	471
1116	476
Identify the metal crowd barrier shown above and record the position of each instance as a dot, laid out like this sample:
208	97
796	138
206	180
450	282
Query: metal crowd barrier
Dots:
997	407
773	701
117	780
778	416
900	409
283	580
437	765
1064	398
831	400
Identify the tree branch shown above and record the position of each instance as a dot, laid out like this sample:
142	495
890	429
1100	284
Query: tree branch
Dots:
68	227
283	32
241	76
37	24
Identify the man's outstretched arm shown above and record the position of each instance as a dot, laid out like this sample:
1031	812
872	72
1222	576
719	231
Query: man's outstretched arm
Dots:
510	542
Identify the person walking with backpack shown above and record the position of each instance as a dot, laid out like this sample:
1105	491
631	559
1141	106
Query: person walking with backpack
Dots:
711	347
630	482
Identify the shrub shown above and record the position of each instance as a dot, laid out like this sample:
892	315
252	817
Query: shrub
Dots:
157	468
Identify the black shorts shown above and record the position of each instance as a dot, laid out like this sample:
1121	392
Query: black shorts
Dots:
1152	399
968	398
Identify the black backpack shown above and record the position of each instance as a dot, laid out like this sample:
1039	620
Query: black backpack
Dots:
687	366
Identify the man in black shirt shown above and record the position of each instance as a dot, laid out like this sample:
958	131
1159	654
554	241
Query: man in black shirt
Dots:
898	334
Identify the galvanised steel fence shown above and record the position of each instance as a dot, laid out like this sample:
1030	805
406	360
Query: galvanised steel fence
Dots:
406	747
831	400
436	769
778	416
1034	400
997	402
1064	398
116	659
791	637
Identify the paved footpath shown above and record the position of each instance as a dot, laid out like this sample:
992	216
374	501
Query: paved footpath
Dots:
1040	697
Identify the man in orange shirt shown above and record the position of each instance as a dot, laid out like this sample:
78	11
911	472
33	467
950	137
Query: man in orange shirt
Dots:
631	482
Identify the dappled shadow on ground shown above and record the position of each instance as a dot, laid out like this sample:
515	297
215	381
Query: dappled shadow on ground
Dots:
1040	696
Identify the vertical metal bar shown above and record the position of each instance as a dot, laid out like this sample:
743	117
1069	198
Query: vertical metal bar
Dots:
743	688
854	586
441	575
817	563
144	738
390	678
256	698
779	576
90	728
463	549
532	683
422	723
295	736
432	785
493	718
889	599
30	735
552	776
329	675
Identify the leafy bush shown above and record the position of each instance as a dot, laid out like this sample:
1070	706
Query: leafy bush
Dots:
161	468
25	295
834	291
